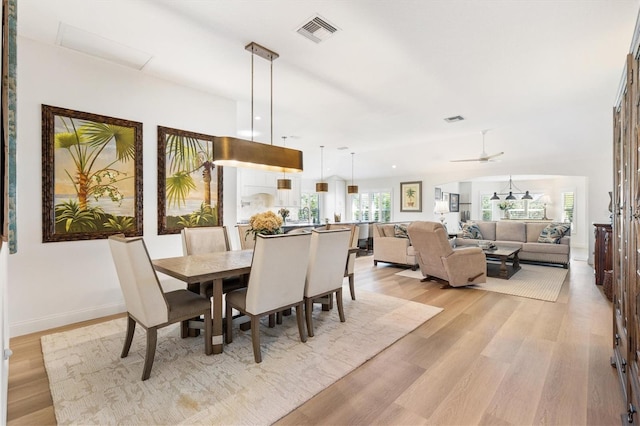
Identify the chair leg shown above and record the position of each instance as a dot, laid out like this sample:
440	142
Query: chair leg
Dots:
308	309
152	339
272	320
208	333
229	321
339	303
299	309
255	338
131	328
352	287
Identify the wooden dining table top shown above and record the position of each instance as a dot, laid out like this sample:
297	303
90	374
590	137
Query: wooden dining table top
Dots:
206	267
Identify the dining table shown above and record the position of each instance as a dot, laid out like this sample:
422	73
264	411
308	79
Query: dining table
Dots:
200	269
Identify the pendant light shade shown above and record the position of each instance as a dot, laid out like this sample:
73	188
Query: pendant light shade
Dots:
284	183
510	196
322	186
235	152
494	197
527	196
352	189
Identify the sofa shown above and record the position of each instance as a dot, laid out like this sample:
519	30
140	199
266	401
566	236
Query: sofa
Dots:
391	244
526	236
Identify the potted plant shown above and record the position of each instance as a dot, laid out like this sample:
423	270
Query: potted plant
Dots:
410	193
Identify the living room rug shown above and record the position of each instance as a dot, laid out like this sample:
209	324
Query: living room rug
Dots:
532	281
91	384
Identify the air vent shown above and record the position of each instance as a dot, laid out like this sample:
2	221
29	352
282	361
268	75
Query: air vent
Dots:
454	119
317	29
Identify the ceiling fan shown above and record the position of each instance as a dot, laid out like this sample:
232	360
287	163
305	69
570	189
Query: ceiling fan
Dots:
484	157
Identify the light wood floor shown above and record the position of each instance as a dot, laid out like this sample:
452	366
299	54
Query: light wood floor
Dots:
486	359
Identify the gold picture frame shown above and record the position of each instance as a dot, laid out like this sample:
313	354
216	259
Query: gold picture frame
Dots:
91	176
189	184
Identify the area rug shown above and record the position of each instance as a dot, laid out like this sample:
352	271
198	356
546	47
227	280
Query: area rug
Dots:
91	384
532	281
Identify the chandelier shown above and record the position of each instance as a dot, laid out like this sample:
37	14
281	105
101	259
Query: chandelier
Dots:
509	195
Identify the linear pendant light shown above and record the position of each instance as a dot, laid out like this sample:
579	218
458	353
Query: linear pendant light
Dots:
284	183
322	186
352	189
510	195
235	152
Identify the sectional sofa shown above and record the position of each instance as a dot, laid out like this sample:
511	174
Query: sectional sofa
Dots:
524	235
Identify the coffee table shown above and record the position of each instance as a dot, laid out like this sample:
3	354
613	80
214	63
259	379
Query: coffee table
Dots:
509	262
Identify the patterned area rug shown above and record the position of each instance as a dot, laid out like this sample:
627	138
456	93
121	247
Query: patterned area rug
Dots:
91	384
532	281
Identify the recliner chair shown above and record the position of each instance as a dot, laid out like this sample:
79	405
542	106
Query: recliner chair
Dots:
437	258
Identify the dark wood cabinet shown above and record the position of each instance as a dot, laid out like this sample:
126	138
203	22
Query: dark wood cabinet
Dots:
603	255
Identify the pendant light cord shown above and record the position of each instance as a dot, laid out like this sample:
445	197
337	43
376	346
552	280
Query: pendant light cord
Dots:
252	55
352	168
321	163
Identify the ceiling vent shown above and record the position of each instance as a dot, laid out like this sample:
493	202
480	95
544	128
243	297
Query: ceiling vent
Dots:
316	29
454	119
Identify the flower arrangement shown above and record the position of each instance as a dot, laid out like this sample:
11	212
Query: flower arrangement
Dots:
506	205
284	213
267	223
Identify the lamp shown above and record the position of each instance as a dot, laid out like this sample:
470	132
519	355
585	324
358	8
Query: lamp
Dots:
509	195
322	186
284	183
442	207
545	199
352	189
235	152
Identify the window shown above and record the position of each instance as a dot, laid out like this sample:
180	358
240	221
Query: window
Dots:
486	207
517	209
567	207
371	206
309	207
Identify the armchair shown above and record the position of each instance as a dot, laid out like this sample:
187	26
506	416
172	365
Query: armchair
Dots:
436	258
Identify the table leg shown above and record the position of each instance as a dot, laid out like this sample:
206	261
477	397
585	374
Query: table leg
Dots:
516	262
504	273
217	316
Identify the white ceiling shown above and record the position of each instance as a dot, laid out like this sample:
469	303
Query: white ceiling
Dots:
541	74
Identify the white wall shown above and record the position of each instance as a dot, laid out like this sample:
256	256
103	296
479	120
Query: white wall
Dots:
4	334
55	284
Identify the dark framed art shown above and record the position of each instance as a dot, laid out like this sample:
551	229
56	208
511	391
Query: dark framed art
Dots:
189	184
91	175
411	196
454	202
438	194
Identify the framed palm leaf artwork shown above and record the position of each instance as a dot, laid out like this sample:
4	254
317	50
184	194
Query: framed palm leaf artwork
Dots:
189	184
91	175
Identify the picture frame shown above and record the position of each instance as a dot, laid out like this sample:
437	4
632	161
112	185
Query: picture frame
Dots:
91	176
438	194
411	196
189	184
454	203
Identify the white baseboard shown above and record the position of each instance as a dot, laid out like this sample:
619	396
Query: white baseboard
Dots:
59	320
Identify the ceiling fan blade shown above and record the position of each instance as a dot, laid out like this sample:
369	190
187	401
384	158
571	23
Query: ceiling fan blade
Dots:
469	159
489	157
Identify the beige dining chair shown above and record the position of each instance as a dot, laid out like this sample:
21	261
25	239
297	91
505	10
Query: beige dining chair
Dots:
147	304
351	259
276	283
325	272
246	240
209	239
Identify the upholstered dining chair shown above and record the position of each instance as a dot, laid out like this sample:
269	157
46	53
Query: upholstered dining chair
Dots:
325	272
276	283
147	304
351	259
246	241
436	258
209	239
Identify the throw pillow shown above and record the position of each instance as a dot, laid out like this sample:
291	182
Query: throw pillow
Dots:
400	231
470	230
553	232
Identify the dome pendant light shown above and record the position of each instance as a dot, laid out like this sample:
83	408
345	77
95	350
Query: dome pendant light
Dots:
284	183
352	189
322	186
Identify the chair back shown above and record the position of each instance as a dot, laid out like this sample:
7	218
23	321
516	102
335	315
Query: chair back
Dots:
431	243
246	240
202	240
277	271
327	259
353	243
143	295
